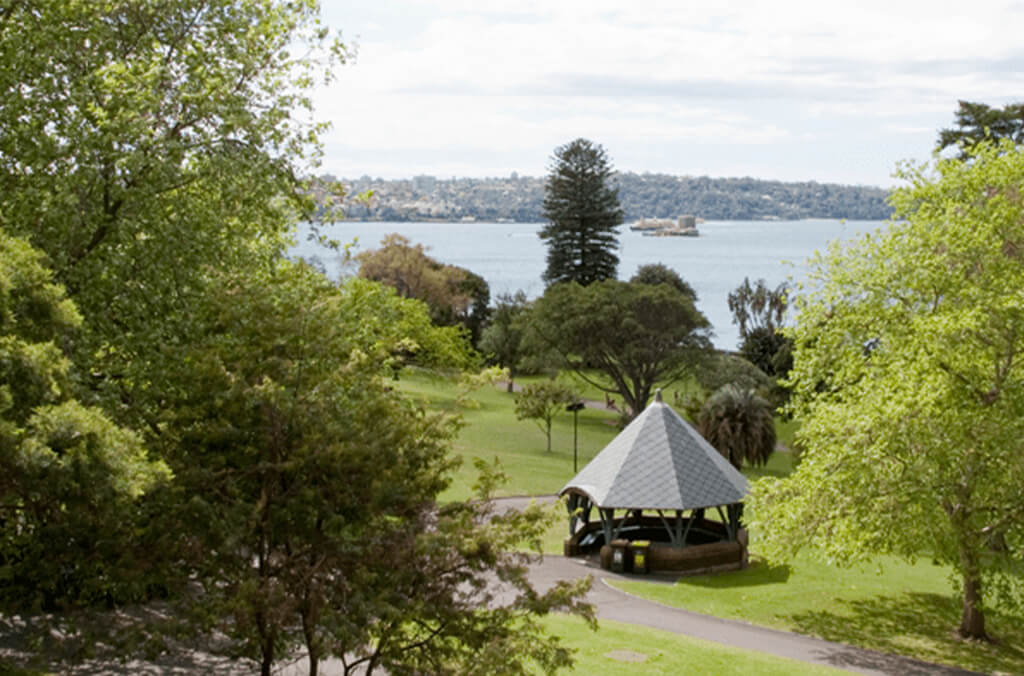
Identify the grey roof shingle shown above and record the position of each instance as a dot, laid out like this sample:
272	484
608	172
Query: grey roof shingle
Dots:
659	462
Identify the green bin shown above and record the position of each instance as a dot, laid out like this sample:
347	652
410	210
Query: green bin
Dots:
641	557
620	556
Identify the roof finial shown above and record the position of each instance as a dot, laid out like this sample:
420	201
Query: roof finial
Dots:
657	396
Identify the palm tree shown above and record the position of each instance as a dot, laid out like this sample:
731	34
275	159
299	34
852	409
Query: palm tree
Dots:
739	424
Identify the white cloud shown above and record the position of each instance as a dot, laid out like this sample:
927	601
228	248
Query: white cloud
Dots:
465	79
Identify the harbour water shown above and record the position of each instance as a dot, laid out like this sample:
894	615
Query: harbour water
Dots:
510	256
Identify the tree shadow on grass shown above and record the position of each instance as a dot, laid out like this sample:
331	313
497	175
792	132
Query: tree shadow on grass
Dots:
32	645
919	624
757	574
754	473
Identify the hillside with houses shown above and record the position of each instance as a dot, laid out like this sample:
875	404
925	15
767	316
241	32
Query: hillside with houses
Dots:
518	198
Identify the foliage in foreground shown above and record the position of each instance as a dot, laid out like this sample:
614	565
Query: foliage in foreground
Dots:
309	488
907	384
159	141
70	479
152	153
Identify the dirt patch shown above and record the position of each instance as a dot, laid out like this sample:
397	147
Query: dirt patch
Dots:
626	656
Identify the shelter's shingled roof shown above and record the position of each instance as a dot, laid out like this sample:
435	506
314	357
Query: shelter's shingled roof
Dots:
659	462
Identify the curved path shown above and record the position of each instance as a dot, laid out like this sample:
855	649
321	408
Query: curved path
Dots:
612	604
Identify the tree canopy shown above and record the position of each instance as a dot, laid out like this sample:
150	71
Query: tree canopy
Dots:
907	385
758	306
978	122
758	310
541	402
659	273
307	508
143	145
502	338
583	212
740	424
636	335
148	189
453	294
70	479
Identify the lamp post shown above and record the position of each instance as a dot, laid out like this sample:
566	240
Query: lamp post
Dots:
575	408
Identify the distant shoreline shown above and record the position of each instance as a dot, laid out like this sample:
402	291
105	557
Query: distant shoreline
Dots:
520	199
446	221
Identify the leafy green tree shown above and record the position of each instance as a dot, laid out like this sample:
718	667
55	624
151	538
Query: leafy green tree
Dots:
400	329
542	401
770	350
502	339
70	479
758	306
453	294
309	487
758	311
740	424
637	336
477	288
907	387
978	122
438	611
583	212
145	144
658	273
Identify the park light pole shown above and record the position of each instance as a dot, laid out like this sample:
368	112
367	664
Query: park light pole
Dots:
575	408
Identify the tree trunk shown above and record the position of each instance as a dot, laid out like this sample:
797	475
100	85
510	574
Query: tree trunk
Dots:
972	621
510	386
309	633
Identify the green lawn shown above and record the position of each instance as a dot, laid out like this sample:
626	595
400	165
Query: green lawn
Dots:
892	607
906	609
492	431
608	651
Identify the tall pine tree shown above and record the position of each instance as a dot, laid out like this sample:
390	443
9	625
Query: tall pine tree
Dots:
977	122
583	212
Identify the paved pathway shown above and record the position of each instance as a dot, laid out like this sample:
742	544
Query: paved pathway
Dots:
613	604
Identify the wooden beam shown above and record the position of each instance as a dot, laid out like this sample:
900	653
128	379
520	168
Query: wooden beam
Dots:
730	534
671	532
571	504
607	518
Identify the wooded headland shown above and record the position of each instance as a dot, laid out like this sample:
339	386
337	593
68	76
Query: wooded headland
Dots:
518	198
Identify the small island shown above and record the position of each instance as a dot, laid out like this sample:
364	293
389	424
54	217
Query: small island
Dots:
684	226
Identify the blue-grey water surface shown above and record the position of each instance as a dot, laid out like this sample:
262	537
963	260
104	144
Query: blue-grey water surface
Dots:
510	256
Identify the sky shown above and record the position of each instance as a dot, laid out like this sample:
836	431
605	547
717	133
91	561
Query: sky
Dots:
792	91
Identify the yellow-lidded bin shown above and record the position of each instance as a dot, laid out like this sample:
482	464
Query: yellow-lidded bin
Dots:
641	556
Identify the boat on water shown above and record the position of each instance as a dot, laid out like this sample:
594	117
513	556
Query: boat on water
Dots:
684	226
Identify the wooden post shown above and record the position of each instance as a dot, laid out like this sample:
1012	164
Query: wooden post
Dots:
607	519
572	504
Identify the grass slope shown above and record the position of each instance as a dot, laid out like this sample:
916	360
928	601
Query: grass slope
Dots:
609	650
492	431
905	609
892	607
